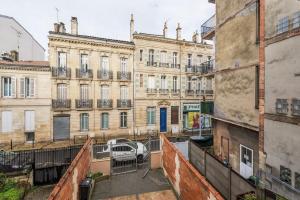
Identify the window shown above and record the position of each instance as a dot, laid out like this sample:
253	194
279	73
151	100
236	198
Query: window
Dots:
84	92
141	80
29	121
283	25
104	121
61	91
174	83
285	175
174	59
123	120
104	92
62	60
123	64
199	84
84	63
151	82
163	82
296	107
199	59
282	106
124	92
141	55
151	56
174	115
84	122
296	20
8	86
163	57
297	181
6	121
189	59
27	87
189	83
150	115
104	64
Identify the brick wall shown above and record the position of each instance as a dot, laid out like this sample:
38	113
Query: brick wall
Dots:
186	180
67	187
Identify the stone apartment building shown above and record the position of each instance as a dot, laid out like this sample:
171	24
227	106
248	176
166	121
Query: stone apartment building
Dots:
92	84
171	77
25	102
236	115
282	95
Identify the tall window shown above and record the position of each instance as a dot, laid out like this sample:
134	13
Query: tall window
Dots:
151	56
174	83
151	82
123	120
29	121
296	20
7	86
84	63
189	59
61	91
84	92
189	83
124	92
141	55
27	87
163	82
104	64
199	59
6	119
141	80
84	122
104	121
174	114
199	84
163	57
62	60
174	59
104	92
282	25
123	64
150	115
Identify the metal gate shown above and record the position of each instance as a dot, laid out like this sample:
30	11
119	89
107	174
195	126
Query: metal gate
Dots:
61	127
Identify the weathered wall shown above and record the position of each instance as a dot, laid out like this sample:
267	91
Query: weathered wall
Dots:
186	180
101	165
68	185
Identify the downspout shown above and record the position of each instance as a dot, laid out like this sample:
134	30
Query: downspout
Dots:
133	94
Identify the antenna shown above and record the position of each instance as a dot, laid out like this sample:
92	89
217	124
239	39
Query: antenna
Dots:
19	33
57	11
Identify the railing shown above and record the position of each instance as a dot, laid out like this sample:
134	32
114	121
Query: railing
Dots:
208	27
189	92
84	103
207	67
105	103
61	104
84	74
175	91
151	90
124	103
104	75
209	92
161	64
175	66
60	72
190	69
163	91
150	63
124	76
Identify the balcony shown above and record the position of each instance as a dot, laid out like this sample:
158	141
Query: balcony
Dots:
164	64
163	91
208	28
84	74
207	67
175	92
190	69
61	104
177	66
189	92
124	76
151	90
204	92
105	103
84	104
104	75
209	92
152	63
124	103
61	73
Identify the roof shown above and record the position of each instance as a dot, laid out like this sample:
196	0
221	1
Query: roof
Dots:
8	17
43	64
93	38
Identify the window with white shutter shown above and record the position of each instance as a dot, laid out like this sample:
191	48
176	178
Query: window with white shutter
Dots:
29	121
124	92
174	60
163	82
174	83
123	64
61	91
22	87
84	92
104	92
151	82
123	119
104	121
62	60
84	62
84	122
6	121
104	64
150	115
6	86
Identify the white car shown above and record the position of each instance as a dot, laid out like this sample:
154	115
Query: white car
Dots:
123	149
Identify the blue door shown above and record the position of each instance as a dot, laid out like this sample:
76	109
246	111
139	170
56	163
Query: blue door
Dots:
163	120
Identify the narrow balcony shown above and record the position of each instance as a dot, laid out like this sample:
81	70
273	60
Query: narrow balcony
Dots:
84	104
163	91
189	92
151	90
175	92
209	92
207	67
84	74
61	104
151	63
105	75
105	103
208	28
190	69
161	64
124	76
61	72
177	66
124	103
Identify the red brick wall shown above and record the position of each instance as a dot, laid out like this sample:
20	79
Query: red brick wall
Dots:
67	187
186	180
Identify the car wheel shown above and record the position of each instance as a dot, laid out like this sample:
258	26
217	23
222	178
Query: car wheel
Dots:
140	158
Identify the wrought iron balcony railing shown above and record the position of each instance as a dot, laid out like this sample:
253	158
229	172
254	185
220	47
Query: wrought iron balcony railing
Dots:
124	76
175	66
152	63
84	74
161	64
163	91
151	90
124	103
61	72
105	103
84	103
61	104
175	91
104	75
189	92
207	67
208	28
190	69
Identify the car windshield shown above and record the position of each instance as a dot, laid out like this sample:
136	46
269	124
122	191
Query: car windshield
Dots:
132	144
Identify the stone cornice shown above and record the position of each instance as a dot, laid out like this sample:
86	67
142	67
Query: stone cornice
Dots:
25	68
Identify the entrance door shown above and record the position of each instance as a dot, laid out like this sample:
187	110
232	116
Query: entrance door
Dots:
246	161
61	127
163	119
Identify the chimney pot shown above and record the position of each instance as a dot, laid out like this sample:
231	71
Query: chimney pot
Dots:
131	27
74	26
165	30
62	28
178	32
56	27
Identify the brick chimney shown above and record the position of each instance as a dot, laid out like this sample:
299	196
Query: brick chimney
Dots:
131	27
62	28
178	32
195	37
74	26
14	55
56	27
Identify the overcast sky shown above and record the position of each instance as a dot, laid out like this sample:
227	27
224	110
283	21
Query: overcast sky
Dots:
109	18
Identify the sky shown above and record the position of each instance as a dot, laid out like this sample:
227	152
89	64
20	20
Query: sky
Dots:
109	18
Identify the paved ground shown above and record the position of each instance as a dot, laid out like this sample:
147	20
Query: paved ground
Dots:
160	195
134	185
39	193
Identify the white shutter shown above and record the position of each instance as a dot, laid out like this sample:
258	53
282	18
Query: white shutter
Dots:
6	121
183	83
29	121
157	81
169	82
156	57
13	87
146	81
22	87
31	87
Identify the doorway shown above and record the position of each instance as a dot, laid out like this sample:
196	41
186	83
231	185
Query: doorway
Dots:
163	119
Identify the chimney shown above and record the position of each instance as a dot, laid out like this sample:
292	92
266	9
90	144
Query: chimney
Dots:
131	27
165	30
56	27
62	28
74	26
195	37
14	55
178	32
